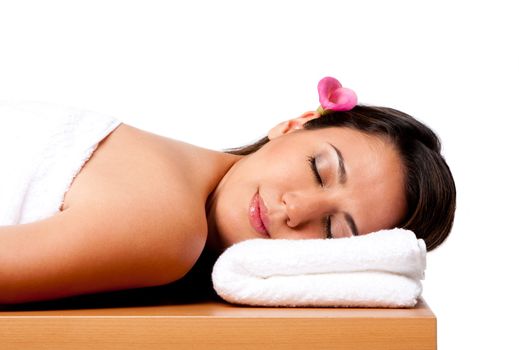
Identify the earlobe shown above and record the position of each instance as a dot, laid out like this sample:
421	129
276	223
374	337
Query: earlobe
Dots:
278	130
291	125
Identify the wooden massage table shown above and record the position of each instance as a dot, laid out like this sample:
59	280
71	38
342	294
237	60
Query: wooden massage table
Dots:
144	320
188	314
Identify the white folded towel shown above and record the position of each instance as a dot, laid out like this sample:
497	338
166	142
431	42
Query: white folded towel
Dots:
381	269
42	148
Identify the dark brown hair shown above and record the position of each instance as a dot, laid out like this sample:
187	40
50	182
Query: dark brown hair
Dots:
429	186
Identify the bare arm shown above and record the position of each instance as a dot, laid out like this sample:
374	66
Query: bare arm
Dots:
89	249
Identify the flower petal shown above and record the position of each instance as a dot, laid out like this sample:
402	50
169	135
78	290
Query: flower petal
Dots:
333	96
343	99
325	88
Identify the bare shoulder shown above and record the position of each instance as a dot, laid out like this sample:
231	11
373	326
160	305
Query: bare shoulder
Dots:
134	162
132	218
144	179
149	176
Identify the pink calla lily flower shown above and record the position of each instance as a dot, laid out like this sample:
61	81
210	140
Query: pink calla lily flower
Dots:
333	96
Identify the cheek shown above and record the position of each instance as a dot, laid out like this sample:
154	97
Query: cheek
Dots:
289	175
281	167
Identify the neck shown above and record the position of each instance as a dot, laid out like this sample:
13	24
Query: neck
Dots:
224	164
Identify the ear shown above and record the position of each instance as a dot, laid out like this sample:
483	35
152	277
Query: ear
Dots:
291	125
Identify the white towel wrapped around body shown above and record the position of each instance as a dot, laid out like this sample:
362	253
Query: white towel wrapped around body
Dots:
42	148
381	269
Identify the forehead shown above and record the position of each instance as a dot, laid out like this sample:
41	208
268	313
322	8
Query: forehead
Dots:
348	140
373	154
374	171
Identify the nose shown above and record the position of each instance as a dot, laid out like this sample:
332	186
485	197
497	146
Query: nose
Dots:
304	207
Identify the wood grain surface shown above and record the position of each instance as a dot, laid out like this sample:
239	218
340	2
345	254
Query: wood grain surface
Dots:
215	324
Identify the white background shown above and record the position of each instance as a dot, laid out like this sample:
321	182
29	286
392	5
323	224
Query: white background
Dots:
221	73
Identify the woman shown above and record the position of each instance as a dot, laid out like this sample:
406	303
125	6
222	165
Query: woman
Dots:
143	207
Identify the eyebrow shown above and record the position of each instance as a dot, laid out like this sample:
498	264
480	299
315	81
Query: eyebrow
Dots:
341	172
351	223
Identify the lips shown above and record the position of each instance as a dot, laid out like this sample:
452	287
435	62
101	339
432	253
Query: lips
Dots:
258	217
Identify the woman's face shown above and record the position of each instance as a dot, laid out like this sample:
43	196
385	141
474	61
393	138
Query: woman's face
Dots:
332	182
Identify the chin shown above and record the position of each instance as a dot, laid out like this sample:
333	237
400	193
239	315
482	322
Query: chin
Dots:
229	236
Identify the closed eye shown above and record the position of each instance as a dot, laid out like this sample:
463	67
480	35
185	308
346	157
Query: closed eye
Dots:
313	166
327	221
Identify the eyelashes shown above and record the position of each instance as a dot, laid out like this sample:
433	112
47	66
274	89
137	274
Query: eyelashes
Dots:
327	221
313	166
328	227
